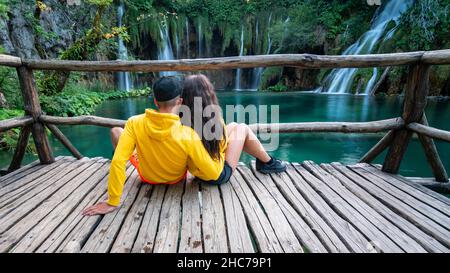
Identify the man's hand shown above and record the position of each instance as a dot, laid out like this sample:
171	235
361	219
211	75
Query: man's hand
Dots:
100	208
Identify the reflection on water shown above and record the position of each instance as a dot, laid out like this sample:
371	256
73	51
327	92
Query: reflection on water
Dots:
294	107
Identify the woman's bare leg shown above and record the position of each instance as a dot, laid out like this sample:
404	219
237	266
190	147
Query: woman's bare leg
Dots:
241	138
115	135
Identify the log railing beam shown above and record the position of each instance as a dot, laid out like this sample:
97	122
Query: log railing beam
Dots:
15	123
429	131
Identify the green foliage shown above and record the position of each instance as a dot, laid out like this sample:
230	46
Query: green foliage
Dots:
8	139
279	87
312	24
100	2
4	8
9	86
425	26
76	100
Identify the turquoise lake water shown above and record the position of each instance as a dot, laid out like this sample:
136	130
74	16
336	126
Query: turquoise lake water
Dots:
294	107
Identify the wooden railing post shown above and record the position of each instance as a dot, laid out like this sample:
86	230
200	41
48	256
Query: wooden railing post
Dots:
439	172
33	109
417	87
20	148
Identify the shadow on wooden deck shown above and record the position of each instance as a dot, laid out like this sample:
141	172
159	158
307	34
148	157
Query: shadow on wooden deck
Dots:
309	208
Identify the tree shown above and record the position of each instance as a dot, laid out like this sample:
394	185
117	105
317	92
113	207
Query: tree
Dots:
82	49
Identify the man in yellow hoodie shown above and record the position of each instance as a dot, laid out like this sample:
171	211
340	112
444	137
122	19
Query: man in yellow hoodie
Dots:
159	146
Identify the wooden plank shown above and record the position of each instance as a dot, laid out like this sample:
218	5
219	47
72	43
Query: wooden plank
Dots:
377	238
24	205
9	177
73	238
169	221
377	220
347	178
305	234
130	228
24	171
32	108
214	227
263	233
312	219
103	236
21	180
145	239
352	238
74	217
374	185
401	188
71	182
431	184
283	230
379	147
409	181
40	232
191	222
39	185
21	148
237	226
18	193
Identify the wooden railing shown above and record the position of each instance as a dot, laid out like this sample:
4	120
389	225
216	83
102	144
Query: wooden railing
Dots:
399	130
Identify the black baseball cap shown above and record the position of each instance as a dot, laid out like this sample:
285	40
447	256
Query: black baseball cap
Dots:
167	88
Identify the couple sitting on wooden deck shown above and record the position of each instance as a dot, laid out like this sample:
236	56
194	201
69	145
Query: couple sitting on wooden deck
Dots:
165	148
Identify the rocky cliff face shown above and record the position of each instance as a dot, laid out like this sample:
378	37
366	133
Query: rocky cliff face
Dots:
58	27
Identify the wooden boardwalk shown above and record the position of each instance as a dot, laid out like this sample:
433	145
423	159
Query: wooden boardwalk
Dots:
309	208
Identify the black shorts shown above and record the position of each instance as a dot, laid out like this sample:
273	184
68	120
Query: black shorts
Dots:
224	177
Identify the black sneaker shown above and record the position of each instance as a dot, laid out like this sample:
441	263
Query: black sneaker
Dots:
273	166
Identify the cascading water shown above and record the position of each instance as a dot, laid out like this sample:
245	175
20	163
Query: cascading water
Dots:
177	45
257	71
200	40
165	51
341	80
188	35
237	85
124	81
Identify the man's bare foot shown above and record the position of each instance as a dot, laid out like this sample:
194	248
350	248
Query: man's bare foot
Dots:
98	209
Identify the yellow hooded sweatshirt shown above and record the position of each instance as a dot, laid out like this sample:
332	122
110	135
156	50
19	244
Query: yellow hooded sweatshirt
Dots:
165	148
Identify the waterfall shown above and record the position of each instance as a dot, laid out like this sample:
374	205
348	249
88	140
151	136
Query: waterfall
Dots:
124	82
341	80
257	71
200	40
188	49
165	48
177	45
237	85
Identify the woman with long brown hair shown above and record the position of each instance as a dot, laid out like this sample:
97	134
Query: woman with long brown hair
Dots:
224	143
